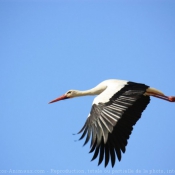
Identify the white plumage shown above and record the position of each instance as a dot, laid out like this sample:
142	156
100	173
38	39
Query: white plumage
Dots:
110	88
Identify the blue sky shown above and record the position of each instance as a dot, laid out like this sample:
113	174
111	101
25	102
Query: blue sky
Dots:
49	47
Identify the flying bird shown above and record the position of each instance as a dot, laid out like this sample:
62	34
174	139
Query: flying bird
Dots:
114	112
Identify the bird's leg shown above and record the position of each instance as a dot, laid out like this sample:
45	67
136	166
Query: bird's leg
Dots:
157	93
164	97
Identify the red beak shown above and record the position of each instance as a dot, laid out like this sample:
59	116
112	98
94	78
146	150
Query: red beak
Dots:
63	97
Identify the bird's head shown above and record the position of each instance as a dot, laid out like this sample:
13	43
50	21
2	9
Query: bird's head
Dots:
68	94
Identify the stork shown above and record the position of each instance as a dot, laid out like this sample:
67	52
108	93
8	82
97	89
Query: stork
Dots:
114	112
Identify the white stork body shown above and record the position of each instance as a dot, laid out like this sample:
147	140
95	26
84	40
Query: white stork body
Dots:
110	88
114	112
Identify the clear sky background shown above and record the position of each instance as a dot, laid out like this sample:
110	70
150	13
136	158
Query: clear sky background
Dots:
49	47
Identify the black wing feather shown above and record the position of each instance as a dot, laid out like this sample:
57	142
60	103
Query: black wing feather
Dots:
96	153
101	153
107	155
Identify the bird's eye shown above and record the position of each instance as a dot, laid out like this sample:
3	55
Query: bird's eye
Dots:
69	92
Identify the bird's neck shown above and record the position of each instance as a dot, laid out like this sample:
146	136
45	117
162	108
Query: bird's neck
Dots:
94	91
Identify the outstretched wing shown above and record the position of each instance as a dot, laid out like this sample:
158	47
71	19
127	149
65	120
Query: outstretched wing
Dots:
110	124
